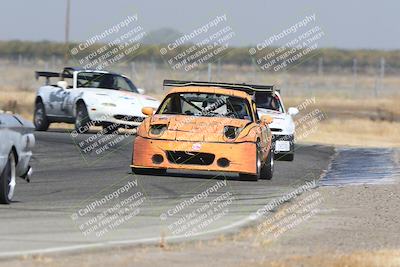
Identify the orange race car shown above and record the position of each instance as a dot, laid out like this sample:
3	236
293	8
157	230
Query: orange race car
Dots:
205	126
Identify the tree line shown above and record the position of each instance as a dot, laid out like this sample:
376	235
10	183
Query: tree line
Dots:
331	57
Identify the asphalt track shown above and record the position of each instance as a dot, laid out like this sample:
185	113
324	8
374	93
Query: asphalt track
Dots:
53	212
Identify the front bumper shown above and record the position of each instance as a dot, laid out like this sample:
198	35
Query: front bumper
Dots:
285	143
132	121
118	117
204	156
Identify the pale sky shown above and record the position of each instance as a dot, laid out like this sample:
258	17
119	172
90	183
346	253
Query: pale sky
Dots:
347	24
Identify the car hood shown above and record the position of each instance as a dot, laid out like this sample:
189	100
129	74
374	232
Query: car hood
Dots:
282	122
273	113
193	128
16	123
122	96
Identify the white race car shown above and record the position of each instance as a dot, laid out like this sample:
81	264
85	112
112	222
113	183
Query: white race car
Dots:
282	127
16	143
90	97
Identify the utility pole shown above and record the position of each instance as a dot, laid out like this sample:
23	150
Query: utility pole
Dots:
66	52
354	73
254	66
382	73
320	66
379	80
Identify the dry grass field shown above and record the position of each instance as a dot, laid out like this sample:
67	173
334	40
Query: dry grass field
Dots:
384	258
357	111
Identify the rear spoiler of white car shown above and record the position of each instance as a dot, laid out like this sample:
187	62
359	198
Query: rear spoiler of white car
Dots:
248	88
49	74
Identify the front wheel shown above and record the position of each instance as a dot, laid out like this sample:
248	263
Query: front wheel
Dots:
40	119
267	169
82	119
7	180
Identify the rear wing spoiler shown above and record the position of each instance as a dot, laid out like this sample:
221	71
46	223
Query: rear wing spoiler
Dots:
248	88
49	74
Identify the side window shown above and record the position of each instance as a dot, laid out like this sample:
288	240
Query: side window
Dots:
171	105
67	76
121	84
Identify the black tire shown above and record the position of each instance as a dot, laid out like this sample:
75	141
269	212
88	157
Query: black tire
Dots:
149	171
82	119
253	177
267	169
40	119
7	180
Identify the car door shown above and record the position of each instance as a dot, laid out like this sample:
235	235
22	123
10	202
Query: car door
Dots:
68	101
57	96
8	136
60	97
5	144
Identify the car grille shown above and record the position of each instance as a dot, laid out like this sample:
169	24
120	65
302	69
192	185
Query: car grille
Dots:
276	130
129	118
192	158
276	137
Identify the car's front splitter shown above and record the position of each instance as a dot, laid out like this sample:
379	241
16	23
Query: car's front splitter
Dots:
206	156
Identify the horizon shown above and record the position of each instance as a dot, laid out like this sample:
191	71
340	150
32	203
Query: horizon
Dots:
233	46
352	30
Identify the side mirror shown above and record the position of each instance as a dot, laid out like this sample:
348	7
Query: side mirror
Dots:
62	84
293	111
266	119
148	111
141	91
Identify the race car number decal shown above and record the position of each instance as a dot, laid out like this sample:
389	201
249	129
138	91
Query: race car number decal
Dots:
196	147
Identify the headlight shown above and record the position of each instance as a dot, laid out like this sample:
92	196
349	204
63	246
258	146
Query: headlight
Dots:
231	132
109	104
158	129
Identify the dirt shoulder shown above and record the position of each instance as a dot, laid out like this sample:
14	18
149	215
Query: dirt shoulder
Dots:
351	225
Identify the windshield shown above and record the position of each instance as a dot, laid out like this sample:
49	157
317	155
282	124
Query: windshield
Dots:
206	105
268	101
105	81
